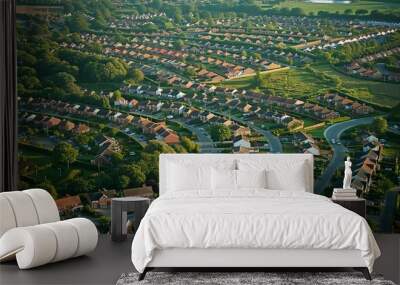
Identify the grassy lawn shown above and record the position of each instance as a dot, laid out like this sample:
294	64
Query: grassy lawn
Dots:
392	149
294	83
337	7
300	83
377	92
308	122
317	133
289	148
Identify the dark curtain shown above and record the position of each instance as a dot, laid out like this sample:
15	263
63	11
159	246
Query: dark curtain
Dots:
8	97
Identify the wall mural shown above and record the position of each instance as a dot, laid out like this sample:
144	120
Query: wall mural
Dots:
105	86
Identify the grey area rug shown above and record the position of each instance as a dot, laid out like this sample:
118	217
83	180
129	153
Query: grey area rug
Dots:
244	278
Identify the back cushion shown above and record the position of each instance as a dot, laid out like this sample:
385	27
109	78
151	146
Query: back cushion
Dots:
283	174
45	205
7	218
24	210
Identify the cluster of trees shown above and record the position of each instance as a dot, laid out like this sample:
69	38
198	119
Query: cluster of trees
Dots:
95	68
261	80
380	125
119	175
220	133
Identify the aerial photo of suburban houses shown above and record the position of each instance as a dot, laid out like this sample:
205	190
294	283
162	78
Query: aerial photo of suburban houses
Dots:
105	86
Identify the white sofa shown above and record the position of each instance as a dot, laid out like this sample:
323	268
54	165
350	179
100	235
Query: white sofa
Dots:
31	231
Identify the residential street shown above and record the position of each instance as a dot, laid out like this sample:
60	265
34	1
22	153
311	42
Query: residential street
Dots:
274	143
339	151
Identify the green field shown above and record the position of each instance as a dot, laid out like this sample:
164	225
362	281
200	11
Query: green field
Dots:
376	92
317	133
300	83
337	7
293	83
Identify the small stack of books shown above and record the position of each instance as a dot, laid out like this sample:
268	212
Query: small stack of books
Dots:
344	194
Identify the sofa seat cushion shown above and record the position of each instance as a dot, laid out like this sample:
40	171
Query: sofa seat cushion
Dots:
41	244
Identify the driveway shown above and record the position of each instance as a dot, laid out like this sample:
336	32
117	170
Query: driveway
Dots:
339	151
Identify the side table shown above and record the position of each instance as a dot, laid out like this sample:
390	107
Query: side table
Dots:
119	215
357	205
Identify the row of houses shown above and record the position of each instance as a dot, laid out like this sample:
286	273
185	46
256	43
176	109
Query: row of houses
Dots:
334	43
367	66
100	199
344	103
366	168
234	99
162	133
296	105
48	122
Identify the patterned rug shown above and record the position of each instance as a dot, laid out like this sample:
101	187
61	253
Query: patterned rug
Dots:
244	278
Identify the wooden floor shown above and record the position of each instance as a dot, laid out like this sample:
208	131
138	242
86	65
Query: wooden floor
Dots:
106	264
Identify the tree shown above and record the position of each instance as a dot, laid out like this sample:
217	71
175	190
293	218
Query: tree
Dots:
179	149
122	182
136	75
190	71
49	187
348	12
117	158
190	145
135	173
261	80
361	12
83	139
65	153
157	146
257	56
380	125
394	114
220	133
105	102
78	23
114	131
66	82
103	224
297	11
80	185
179	44
117	95
150	28
95	47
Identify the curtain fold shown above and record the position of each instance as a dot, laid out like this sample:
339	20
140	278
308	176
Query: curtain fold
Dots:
8	97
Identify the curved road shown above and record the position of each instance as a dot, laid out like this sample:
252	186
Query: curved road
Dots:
275	145
339	151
